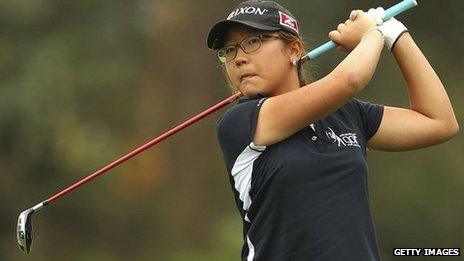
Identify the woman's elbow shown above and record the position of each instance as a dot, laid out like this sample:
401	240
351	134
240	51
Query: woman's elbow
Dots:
454	129
449	130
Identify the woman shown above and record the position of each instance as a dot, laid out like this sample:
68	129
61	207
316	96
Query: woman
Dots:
296	152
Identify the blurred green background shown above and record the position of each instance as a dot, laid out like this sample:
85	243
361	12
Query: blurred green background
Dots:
84	82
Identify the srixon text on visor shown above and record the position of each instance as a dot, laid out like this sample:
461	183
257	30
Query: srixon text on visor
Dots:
247	10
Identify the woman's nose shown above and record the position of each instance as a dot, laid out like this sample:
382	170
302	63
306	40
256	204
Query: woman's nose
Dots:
241	57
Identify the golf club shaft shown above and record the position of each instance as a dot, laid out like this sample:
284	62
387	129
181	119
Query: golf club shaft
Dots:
389	13
139	150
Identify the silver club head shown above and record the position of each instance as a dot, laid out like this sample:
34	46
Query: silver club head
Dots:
24	230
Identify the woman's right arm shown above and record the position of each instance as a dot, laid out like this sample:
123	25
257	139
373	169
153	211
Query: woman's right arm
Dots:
282	116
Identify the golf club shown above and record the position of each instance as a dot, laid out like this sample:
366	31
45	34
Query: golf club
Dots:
24	225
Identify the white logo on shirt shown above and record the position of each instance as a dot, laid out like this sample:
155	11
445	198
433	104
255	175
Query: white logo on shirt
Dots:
345	139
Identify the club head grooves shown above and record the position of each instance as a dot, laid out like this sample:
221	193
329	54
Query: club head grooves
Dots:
24	231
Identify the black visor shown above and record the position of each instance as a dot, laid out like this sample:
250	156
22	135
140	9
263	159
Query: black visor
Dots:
262	15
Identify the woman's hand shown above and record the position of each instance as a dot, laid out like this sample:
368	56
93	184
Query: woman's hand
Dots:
349	34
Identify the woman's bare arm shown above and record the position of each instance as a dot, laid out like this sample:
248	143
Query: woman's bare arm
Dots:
430	119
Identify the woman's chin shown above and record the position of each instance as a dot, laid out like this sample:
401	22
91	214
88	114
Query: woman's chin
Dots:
247	91
249	87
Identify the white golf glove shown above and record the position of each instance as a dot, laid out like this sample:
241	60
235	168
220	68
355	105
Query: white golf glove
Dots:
391	29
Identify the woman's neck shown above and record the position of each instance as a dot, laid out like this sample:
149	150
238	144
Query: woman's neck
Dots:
291	83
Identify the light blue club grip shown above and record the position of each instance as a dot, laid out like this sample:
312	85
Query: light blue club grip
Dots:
389	13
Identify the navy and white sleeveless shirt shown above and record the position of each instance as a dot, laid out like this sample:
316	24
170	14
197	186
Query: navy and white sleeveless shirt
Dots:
306	197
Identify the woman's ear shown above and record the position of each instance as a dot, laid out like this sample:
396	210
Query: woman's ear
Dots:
296	50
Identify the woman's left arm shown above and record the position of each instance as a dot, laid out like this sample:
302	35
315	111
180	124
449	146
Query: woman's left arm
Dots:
430	120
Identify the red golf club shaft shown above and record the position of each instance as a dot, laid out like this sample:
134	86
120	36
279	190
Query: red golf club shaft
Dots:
144	147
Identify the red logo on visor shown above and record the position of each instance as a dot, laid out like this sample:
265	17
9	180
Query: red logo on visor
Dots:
288	21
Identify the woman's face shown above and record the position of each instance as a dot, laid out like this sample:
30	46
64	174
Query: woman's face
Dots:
267	70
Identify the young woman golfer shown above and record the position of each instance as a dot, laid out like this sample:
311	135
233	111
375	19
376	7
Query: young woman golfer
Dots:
296	151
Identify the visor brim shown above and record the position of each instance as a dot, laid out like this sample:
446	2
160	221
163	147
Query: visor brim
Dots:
218	32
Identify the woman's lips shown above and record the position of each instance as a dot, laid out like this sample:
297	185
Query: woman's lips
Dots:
246	76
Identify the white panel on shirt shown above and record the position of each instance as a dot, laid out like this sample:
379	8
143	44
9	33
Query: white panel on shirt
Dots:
242	172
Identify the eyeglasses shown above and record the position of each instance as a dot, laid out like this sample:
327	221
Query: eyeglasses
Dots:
248	45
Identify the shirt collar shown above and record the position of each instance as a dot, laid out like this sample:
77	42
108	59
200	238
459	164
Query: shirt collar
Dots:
253	97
